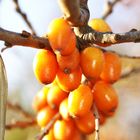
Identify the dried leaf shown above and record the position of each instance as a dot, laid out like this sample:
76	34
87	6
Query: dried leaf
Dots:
3	98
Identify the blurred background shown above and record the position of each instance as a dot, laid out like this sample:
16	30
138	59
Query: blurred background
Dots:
125	125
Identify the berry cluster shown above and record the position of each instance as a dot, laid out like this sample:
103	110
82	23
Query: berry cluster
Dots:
62	70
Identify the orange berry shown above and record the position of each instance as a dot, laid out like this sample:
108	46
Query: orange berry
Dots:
105	97
102	118
69	81
45	66
61	37
86	123
63	130
91	61
63	109
45	115
40	100
112	67
69	62
49	136
56	95
80	101
76	136
99	25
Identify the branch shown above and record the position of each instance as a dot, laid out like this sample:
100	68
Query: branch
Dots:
24	16
109	5
86	35
49	125
76	12
23	39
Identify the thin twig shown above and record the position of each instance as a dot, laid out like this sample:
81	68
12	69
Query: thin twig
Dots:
121	55
19	109
24	16
97	124
109	5
49	125
20	124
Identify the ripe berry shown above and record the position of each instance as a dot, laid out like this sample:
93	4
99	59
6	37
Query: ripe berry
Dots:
105	97
80	101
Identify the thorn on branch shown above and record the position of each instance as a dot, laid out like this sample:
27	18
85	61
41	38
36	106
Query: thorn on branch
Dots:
7	46
25	34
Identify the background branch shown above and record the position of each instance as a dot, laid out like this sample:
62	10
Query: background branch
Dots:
49	125
24	16
20	124
18	108
109	5
28	120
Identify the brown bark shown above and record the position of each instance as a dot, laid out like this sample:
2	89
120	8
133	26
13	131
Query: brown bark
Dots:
23	39
76	12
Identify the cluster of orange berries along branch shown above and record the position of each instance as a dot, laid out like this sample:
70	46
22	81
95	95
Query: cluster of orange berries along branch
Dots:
85	34
75	82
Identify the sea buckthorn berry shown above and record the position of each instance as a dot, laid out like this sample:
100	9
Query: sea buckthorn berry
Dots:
63	130
49	136
80	101
92	61
69	62
40	100
102	118
105	97
100	25
112	67
45	66
45	115
69	81
77	135
86	123
63	109
61	37
55	95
